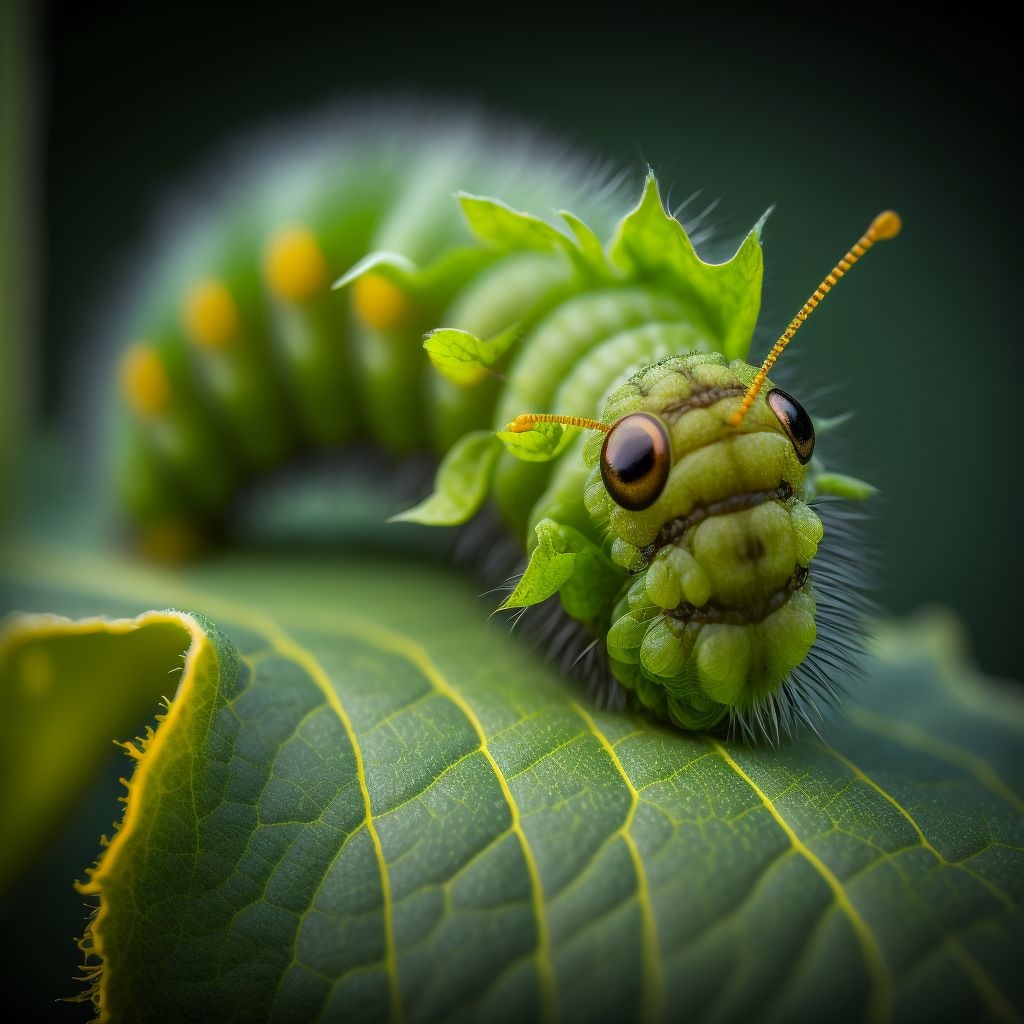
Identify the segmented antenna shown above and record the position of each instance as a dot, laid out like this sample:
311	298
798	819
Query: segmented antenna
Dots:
886	225
525	421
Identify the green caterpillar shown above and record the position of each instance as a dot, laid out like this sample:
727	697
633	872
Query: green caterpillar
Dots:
680	533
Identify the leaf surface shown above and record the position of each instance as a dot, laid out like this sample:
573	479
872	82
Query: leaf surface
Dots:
365	803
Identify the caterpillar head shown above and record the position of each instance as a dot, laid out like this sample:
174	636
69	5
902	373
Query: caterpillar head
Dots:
697	476
708	520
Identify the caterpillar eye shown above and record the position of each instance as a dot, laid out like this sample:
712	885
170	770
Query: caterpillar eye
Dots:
635	460
795	421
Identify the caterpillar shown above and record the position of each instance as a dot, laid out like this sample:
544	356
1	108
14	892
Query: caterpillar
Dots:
585	371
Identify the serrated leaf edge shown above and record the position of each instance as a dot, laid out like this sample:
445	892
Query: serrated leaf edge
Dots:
142	752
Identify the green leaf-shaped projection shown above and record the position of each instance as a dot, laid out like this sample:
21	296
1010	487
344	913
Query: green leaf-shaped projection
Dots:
502	228
461	483
438	276
541	443
841	486
650	244
496	224
566	562
463	358
552	563
591	250
398	269
360	806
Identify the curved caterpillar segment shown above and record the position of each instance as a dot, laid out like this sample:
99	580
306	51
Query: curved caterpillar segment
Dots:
681	533
238	354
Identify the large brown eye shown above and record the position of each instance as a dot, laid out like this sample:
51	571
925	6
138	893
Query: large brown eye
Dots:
795	421
635	460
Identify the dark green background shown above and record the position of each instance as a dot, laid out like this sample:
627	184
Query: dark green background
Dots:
830	116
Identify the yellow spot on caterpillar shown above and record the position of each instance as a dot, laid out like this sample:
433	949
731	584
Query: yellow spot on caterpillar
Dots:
380	303
171	542
35	667
210	313
294	264
145	383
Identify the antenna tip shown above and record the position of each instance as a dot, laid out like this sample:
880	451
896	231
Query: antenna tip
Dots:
522	423
886	225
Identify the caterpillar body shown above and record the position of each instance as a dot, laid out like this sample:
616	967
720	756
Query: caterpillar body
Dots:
589	376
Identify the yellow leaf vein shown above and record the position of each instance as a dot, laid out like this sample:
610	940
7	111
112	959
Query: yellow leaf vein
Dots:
654	984
909	735
880	998
299	654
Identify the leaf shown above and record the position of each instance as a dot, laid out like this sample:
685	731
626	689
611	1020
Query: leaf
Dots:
438	277
500	227
650	244
541	443
496	224
841	486
567	562
463	358
385	809
552	563
393	266
461	483
45	709
591	250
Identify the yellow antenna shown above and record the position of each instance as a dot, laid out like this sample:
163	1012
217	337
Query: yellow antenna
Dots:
526	421
885	225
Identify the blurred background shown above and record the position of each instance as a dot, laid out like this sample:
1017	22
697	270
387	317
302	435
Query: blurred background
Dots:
829	115
109	108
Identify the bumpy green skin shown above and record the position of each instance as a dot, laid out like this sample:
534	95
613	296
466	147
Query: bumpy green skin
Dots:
720	609
704	598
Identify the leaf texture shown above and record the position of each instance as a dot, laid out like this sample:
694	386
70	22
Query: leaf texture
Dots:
365	803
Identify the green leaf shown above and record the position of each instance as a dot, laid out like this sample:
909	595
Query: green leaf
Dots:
461	484
500	227
541	443
552	562
463	358
649	244
591	250
841	486
439	276
368	804
826	424
567	562
393	266
496	224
